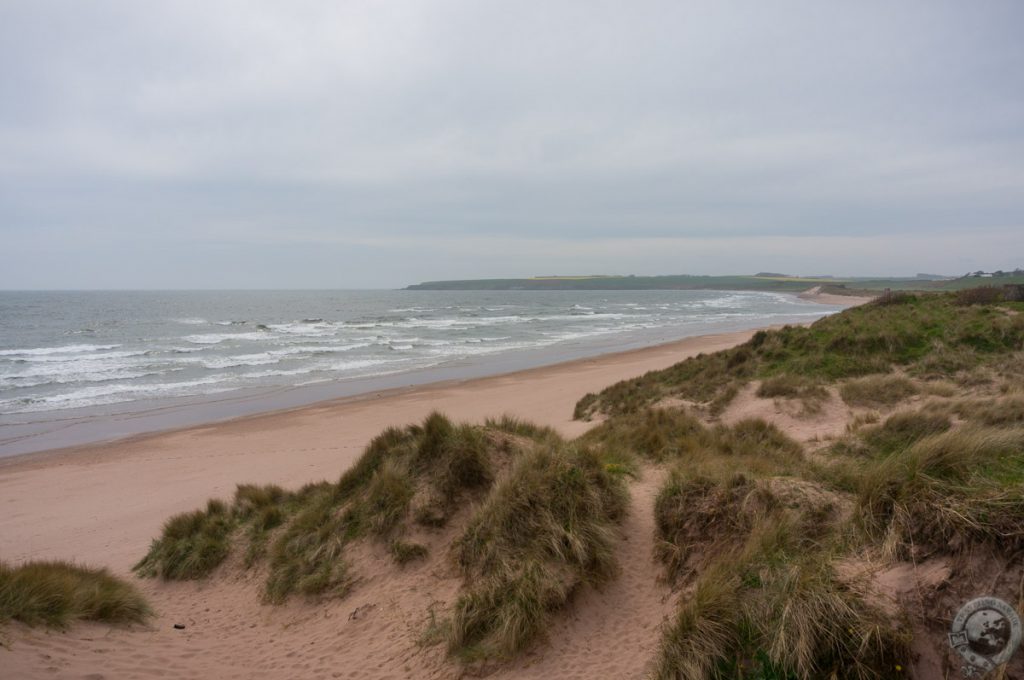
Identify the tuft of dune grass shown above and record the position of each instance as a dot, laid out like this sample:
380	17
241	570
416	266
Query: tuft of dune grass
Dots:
877	390
999	411
810	393
191	545
403	553
55	594
902	429
673	435
543	532
946	492
765	601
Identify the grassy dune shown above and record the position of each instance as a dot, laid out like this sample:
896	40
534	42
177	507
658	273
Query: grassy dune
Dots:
541	527
923	336
756	531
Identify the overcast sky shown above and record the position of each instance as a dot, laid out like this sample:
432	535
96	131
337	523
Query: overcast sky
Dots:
342	144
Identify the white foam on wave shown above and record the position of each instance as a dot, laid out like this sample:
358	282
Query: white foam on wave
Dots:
75	367
112	394
217	338
72	358
240	360
64	349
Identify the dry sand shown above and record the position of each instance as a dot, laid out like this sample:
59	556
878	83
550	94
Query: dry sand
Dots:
101	505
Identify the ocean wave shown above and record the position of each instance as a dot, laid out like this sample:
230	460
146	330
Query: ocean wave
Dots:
355	364
16	381
187	350
76	358
110	394
64	349
217	338
233	361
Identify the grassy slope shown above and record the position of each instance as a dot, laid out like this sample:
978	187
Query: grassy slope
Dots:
930	336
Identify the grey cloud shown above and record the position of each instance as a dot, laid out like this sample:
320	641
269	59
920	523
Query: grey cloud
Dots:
198	124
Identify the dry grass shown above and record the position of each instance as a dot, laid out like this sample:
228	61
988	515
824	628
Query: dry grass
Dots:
655	434
810	393
533	540
994	411
403	553
421	472
544	531
877	390
767	603
55	594
902	429
672	435
191	545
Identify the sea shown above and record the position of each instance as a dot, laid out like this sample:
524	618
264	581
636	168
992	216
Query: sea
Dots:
87	366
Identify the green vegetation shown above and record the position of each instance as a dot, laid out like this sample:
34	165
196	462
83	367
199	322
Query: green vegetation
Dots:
404	553
946	492
754	530
531	541
810	393
877	390
192	544
542	533
55	594
755	538
927	337
418	473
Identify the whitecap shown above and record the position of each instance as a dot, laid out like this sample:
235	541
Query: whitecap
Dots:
64	349
217	338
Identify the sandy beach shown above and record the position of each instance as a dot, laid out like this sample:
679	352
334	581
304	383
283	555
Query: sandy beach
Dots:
101	505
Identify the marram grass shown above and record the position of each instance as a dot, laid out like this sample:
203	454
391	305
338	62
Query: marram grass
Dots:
55	594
